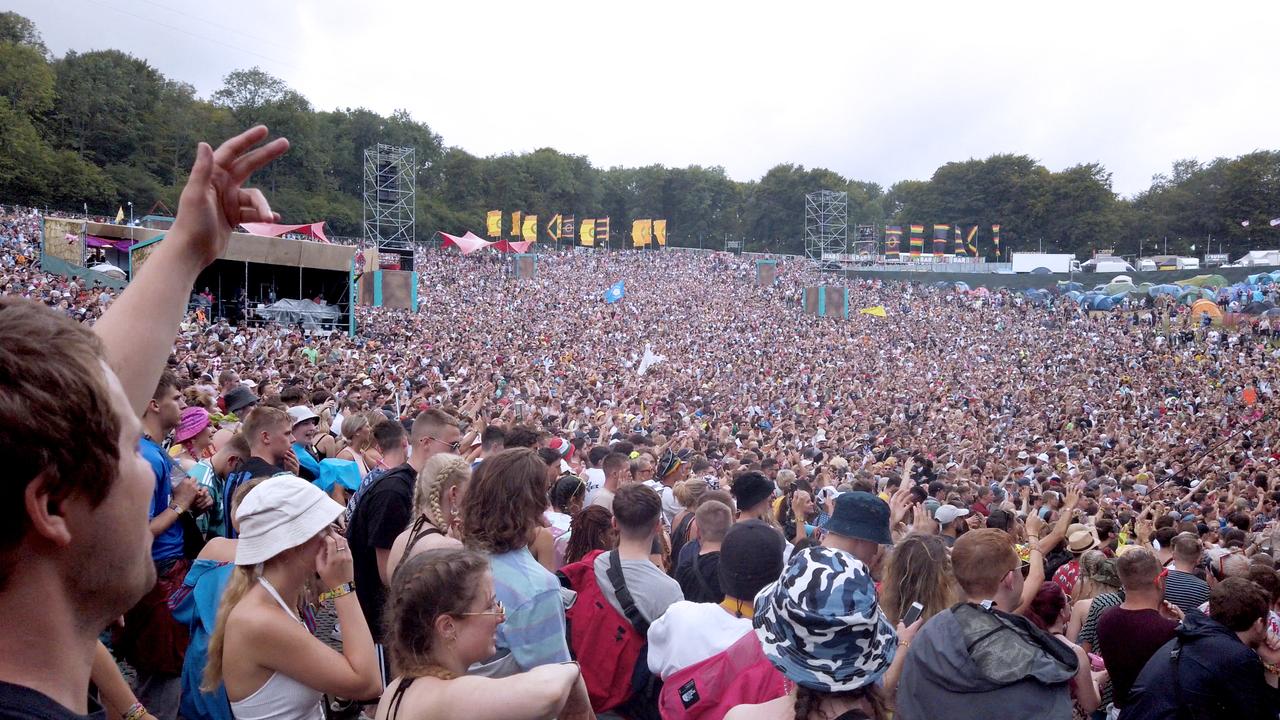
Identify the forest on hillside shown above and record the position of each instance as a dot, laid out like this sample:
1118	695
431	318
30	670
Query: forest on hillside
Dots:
104	128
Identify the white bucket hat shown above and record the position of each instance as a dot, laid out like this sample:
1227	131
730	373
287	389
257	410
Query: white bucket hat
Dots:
281	513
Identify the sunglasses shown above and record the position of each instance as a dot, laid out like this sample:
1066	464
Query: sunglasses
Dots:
498	610
453	446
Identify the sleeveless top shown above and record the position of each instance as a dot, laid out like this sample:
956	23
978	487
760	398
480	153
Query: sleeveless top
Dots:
417	531
280	697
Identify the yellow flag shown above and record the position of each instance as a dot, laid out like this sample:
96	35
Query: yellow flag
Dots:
553	228
493	221
641	232
530	230
515	223
120	215
877	310
587	232
660	232
602	231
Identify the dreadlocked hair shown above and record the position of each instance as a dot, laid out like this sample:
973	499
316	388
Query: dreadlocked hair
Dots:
808	702
428	585
591	529
441	473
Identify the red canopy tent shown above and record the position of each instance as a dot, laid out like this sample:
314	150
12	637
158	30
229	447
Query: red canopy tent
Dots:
468	243
314	230
507	246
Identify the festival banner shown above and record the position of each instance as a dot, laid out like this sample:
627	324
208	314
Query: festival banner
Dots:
529	231
587	232
917	240
995	240
515	223
568	230
553	228
660	232
602	231
959	241
971	241
892	241
940	233
641	233
493	223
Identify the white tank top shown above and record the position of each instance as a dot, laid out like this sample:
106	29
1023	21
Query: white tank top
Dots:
280	697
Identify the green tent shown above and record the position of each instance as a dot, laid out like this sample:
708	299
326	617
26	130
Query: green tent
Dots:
1205	281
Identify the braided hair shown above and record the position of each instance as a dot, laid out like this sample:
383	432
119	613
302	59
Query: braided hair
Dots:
442	472
428	585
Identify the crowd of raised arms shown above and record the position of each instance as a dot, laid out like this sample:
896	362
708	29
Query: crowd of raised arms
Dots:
698	501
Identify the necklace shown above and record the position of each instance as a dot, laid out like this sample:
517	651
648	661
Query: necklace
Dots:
437	671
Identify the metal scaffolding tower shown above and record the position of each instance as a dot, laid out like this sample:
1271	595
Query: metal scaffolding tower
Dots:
865	240
826	223
390	187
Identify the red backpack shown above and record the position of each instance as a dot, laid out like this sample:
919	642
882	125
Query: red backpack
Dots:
738	675
612	649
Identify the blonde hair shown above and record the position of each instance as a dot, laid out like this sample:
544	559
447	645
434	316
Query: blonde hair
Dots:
689	492
441	472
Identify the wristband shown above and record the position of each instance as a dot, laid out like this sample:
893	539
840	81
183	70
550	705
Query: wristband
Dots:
174	506
343	589
136	712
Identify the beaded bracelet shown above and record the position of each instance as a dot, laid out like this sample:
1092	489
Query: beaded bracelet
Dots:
137	711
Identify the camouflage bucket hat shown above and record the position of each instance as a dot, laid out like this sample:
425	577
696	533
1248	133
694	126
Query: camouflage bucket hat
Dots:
820	624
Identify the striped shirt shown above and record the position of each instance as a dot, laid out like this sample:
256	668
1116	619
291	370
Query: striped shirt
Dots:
1100	604
534	628
1185	590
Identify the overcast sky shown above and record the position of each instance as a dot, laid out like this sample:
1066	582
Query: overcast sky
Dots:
880	92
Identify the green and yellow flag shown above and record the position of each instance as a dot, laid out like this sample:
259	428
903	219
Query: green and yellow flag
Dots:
515	223
529	231
493	223
553	228
587	232
660	232
641	232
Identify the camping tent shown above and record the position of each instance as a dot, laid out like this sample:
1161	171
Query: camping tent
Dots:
1206	306
1205	281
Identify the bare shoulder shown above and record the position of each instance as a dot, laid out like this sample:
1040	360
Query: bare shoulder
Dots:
219	549
783	708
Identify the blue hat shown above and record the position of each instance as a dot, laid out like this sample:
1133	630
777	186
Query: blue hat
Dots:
862	516
820	625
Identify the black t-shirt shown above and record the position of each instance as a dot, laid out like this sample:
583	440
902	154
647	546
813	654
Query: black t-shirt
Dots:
384	512
256	467
700	579
22	703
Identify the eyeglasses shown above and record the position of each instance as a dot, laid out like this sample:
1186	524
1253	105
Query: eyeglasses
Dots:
453	446
497	610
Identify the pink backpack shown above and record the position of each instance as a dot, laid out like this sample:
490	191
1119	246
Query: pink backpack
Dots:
740	675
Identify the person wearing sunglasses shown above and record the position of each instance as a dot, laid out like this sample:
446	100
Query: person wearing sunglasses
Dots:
444	617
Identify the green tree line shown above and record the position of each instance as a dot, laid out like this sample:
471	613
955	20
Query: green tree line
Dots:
104	128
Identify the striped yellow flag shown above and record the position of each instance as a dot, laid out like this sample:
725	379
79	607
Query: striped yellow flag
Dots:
515	223
660	232
587	232
529	233
493	222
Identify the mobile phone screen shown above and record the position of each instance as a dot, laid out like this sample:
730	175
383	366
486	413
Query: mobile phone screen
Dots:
913	614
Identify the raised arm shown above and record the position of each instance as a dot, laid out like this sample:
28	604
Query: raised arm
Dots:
137	331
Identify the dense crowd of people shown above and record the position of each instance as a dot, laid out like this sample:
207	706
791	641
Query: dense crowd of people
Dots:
698	501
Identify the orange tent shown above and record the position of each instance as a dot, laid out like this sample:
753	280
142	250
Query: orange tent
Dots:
1206	306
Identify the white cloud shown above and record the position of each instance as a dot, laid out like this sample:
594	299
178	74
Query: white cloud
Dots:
875	92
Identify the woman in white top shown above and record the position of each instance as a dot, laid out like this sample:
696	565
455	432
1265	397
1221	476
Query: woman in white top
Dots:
437	497
442	617
271	665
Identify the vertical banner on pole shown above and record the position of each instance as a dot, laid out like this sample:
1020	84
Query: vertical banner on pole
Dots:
587	232
515	223
660	232
940	233
995	240
641	233
892	241
554	228
493	223
917	241
529	231
972	241
602	231
959	249
568	229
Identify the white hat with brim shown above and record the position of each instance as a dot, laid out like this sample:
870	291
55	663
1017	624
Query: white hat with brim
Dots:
282	513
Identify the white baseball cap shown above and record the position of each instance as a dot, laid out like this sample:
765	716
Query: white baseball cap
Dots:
948	513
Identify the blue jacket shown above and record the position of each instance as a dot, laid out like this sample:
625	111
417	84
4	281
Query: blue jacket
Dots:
195	605
1218	677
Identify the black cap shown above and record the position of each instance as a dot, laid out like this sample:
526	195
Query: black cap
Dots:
750	489
750	558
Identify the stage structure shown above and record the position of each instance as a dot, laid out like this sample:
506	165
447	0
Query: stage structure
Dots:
390	192
865	240
826	223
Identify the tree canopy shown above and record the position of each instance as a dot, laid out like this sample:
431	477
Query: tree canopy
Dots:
105	128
